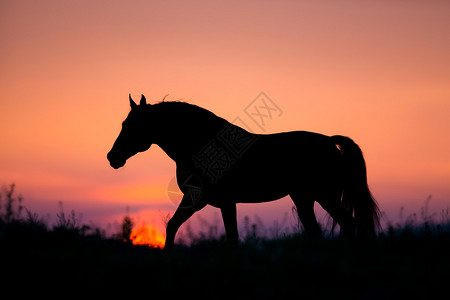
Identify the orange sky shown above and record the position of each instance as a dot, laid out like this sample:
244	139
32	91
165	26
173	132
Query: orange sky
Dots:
378	72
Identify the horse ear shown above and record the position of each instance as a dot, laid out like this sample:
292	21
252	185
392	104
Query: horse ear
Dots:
132	103
143	100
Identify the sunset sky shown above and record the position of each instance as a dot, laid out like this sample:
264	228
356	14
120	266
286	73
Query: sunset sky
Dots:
376	71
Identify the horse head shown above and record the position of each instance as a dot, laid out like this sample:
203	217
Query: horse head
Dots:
134	136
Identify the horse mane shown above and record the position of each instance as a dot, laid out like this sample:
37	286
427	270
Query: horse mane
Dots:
183	108
190	117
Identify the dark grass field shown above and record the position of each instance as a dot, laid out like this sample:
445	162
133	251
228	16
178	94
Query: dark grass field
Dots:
404	261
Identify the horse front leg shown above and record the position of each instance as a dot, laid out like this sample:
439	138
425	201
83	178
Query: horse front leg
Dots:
184	211
230	221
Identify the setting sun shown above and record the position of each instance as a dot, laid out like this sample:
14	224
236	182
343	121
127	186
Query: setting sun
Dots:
147	235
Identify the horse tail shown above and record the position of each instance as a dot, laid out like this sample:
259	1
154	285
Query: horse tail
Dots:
356	197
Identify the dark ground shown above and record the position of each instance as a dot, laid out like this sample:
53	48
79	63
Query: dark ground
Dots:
407	261
404	262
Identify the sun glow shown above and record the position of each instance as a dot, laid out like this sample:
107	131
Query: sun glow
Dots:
148	235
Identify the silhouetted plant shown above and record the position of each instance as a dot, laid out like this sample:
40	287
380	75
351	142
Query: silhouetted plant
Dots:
70	222
126	229
13	204
250	229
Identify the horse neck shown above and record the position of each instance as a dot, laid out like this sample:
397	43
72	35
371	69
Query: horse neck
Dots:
181	135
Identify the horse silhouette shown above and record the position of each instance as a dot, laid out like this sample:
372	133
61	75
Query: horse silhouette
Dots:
221	164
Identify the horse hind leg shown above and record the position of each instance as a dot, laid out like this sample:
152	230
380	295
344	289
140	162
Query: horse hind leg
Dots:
305	211
230	222
336	210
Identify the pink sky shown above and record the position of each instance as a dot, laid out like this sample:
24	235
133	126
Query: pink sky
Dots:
377	72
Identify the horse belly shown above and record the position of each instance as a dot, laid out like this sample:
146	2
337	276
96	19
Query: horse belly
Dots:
253	181
249	192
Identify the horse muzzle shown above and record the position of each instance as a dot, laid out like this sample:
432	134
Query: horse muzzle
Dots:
114	162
